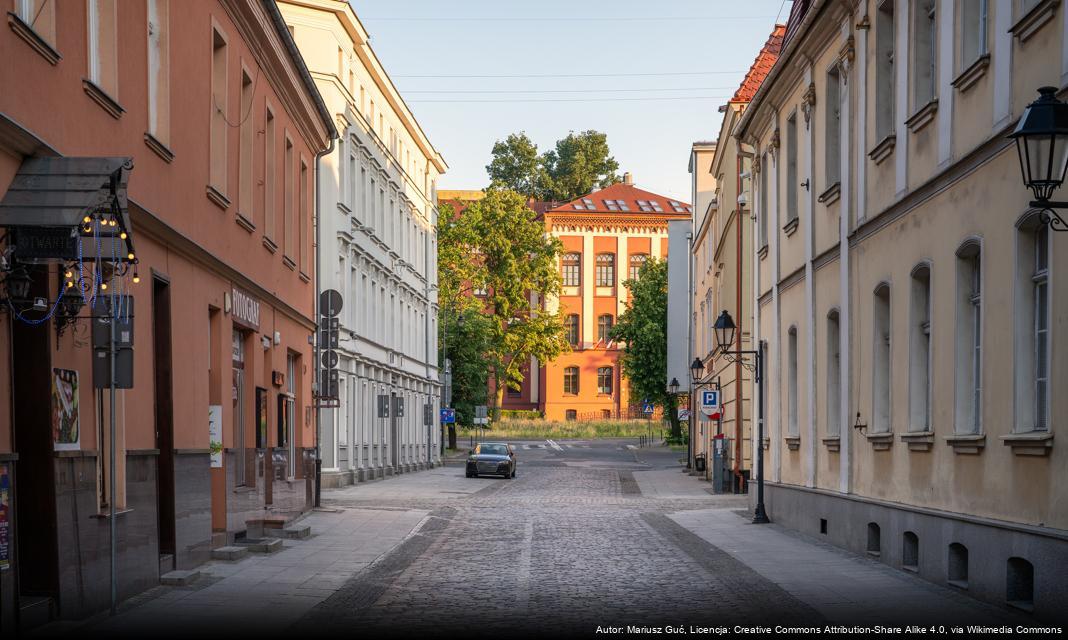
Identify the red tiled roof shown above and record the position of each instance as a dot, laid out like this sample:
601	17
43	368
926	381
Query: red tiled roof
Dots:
765	60
625	198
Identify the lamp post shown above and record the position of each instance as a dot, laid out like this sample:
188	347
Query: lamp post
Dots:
1042	143
724	328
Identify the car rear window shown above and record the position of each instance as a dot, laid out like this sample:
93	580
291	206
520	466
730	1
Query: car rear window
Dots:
493	449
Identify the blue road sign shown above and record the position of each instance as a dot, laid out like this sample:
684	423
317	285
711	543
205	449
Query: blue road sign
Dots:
647	407
448	416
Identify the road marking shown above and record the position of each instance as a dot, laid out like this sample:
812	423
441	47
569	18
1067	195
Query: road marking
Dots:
632	447
554	445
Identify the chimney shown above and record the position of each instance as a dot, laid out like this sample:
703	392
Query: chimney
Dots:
628	178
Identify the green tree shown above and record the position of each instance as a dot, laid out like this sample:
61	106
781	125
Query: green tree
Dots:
516	165
467	334
642	328
511	258
580	162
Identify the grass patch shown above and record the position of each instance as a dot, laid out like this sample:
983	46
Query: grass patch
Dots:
552	430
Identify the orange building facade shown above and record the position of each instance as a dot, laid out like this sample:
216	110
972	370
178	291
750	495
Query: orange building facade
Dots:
192	129
606	235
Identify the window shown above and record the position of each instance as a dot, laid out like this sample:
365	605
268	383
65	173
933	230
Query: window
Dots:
881	351
604	328
604	380
924	52
247	138
910	552
103	46
304	193
514	393
874	539
571	415
833	152
969	352
269	175
571	328
1020	583
764	169
288	239
678	207
636	262
650	206
571	381
219	128
792	184
606	269
920	351
957	565
884	69
39	15
1032	348
834	376
973	18
572	268
159	83
791	415
617	205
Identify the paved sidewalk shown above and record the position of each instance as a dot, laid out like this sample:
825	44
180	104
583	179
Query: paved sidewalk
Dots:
842	586
264	594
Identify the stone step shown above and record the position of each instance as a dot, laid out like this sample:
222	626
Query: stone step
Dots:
34	611
229	553
179	578
261	545
292	532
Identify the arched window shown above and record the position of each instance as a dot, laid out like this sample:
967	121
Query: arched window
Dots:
604	328
636	262
604	380
572	269
834	376
571	380
571	329
606	269
969	348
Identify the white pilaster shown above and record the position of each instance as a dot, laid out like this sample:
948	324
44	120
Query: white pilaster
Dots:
807	157
773	421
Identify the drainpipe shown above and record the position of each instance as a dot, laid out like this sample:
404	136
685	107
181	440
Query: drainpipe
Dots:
738	370
318	346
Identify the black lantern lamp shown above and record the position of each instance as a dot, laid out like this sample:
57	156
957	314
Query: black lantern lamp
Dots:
1042	144
696	369
724	327
674	386
18	284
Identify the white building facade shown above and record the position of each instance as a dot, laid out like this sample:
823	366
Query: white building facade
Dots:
378	220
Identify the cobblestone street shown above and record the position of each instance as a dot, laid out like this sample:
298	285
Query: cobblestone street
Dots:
587	535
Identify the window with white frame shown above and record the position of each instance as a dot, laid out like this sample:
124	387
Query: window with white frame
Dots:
880	422
604	381
920	350
834	376
1033	326
604	328
969	351
571	380
636	262
884	69
832	108
791	363
792	184
606	269
973	23
924	52
571	265
763	204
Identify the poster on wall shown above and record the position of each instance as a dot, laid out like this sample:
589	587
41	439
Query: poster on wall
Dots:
65	431
5	518
215	435
261	418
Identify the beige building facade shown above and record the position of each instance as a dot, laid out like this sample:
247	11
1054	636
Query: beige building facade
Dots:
909	301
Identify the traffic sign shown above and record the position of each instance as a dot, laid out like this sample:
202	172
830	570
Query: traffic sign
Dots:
330	303
647	407
710	403
448	416
684	414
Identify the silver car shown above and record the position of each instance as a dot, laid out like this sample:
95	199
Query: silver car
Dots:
491	458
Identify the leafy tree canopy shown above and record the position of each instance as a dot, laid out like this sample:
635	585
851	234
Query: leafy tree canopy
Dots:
516	165
578	163
642	328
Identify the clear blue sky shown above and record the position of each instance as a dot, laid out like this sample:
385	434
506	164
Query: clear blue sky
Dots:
649	138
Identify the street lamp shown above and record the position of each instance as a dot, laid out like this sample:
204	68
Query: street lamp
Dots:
724	328
674	386
696	369
1042	143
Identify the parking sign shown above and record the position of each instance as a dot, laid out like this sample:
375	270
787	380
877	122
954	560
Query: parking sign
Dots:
710	403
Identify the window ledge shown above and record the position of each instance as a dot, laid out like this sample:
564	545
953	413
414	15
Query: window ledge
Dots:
218	198
793	442
833	444
763	252
160	149
970	443
270	245
305	277
32	38
1034	19
288	262
343	208
791	226
101	97
923	116
1035	443
244	222
831	195
919	440
884	149
881	441
967	78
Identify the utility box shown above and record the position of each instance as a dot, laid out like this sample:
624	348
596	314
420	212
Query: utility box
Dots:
721	465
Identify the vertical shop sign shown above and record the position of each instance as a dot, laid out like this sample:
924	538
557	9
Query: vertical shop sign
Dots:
215	435
65	425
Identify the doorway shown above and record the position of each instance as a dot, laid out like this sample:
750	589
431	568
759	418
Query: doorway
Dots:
35	489
164	416
238	347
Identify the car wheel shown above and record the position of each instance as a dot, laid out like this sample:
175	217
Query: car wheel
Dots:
467	473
